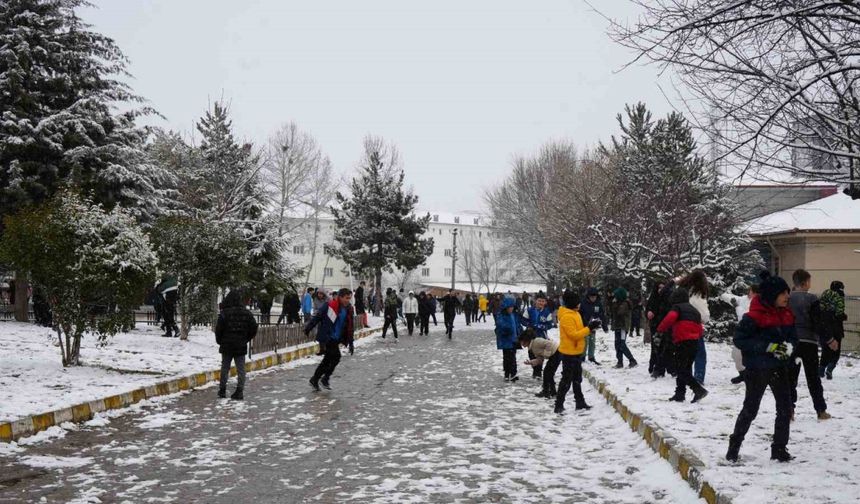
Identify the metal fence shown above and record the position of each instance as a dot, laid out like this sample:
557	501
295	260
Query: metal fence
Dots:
148	317
275	337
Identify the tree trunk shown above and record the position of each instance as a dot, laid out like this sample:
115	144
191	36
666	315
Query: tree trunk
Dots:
377	283
22	301
184	310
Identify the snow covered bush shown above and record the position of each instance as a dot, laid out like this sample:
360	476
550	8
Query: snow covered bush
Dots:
203	257
92	264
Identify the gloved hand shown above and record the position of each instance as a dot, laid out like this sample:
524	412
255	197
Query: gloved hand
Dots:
781	351
594	324
351	349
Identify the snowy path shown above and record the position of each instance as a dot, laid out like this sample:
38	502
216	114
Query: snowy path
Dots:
421	420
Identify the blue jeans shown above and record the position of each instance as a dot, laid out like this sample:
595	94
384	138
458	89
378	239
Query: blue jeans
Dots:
621	349
701	362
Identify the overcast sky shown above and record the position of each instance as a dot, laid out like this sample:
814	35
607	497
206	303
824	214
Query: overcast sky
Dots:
458	85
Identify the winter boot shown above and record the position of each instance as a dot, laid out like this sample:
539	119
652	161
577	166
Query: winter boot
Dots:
543	393
559	410
822	371
699	394
823	415
738	379
582	406
222	392
315	383
829	373
238	395
633	364
515	378
677	398
780	454
620	365
734	450
324	383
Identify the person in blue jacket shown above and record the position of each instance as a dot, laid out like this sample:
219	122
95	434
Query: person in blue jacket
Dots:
335	327
508	330
308	304
591	309
539	318
766	337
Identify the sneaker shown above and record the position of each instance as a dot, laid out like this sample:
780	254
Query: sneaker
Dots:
559	410
620	365
507	378
822	370
823	415
738	379
633	364
222	392
677	398
315	384
543	393
829	374
583	406
698	396
780	454
324	383
515	378
238	395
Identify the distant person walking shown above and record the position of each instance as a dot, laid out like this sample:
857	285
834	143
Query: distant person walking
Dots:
621	312
450	304
833	318
308	304
410	311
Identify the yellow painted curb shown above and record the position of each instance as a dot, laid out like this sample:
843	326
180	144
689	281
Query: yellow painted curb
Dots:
27	426
688	466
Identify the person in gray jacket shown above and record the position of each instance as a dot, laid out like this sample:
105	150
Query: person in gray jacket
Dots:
542	349
807	315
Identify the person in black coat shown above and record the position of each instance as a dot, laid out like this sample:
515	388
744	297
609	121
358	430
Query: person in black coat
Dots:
236	327
662	349
450	303
425	307
291	308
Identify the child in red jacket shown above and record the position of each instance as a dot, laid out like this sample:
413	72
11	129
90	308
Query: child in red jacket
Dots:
685	322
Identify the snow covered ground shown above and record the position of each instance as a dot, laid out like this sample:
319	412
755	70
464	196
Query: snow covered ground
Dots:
33	379
827	467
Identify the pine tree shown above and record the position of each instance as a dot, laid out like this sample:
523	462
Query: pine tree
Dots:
58	90
375	226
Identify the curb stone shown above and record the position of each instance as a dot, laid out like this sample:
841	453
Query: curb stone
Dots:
682	460
78	413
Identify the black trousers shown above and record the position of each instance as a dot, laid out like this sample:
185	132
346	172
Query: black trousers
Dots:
481	316
808	354
468	314
433	314
829	357
389	322
410	323
449	323
549	372
757	381
509	362
424	324
571	374
331	358
685	355
537	371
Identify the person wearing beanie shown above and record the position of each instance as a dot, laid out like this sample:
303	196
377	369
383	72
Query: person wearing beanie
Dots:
590	309
621	311
392	305
685	322
508	330
572	334
807	314
766	337
833	317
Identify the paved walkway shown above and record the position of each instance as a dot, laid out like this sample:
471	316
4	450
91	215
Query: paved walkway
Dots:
424	419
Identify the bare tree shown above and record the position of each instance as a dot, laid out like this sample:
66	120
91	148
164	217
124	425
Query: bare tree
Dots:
782	76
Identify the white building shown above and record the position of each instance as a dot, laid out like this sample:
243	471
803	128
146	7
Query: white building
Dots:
480	263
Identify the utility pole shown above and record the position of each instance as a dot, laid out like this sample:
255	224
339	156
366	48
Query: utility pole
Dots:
454	261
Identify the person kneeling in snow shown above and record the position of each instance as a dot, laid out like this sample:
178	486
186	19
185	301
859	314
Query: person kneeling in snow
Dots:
236	327
766	337
572	348
685	322
542	349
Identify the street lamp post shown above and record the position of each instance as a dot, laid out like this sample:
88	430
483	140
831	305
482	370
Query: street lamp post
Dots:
454	261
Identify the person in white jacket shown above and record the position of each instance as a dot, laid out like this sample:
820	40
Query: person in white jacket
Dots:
410	310
742	306
696	284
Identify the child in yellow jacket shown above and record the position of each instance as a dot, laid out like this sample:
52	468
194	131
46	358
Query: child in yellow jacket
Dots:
572	334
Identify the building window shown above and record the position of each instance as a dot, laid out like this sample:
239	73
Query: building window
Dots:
447	272
299	249
447	252
328	272
425	272
436	218
456	220
475	221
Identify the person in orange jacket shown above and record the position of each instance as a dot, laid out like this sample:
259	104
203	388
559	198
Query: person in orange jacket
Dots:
572	334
